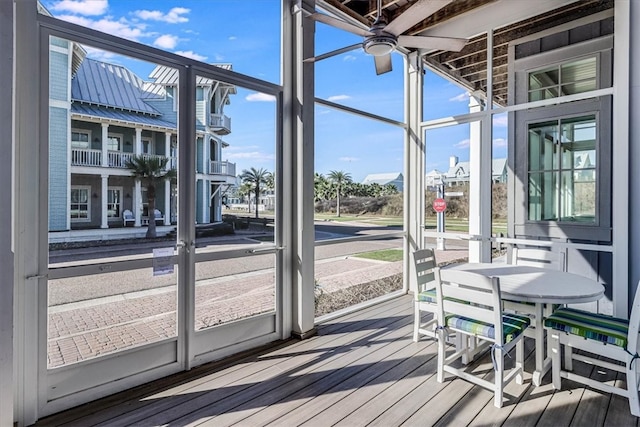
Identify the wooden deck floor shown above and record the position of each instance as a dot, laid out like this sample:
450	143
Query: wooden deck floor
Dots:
361	369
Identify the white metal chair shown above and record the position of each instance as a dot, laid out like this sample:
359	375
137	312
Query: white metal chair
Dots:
601	335
538	258
425	297
541	258
469	304
128	218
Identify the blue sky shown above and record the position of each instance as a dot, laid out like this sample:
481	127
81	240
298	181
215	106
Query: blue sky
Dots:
246	34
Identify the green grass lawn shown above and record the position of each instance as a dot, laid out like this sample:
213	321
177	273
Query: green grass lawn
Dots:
451	224
389	255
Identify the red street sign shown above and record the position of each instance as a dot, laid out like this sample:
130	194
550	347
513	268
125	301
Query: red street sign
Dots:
439	205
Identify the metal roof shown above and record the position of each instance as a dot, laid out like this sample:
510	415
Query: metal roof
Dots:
110	114
167	76
109	85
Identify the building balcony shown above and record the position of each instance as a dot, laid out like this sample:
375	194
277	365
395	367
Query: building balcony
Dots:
115	159
223	170
220	124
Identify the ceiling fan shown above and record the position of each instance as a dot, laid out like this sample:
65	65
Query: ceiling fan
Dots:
383	38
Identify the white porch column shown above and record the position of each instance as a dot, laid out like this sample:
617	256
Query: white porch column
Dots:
414	169
137	202
138	144
105	151
479	186
7	283
103	201
167	202
625	177
167	148
298	169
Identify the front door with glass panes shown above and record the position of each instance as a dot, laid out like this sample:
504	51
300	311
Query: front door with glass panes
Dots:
136	289
562	154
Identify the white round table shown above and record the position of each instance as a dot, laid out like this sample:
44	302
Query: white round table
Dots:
540	286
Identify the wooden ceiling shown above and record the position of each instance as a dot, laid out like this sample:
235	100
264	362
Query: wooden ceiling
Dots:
468	67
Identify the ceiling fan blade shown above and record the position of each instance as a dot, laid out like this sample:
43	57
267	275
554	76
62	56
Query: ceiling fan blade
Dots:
383	63
429	42
333	53
416	13
337	23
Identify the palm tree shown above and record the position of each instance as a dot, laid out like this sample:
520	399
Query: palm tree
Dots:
339	179
150	170
255	178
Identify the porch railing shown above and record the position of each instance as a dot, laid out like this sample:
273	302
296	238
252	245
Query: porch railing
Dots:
115	159
220	123
86	157
222	168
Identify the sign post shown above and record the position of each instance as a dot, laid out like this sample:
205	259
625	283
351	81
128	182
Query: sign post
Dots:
440	205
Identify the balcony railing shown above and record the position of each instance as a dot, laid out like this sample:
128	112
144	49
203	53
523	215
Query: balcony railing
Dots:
220	124
86	157
115	159
118	159
222	168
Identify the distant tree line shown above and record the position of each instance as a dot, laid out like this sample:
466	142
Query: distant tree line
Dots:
334	186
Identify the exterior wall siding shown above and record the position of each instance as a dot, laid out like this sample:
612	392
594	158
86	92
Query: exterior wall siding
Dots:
58	76
58	168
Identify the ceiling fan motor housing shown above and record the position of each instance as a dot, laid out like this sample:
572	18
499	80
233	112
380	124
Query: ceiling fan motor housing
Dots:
380	44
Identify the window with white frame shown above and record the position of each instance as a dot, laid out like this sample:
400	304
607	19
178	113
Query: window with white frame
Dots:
114	142
562	152
114	202
562	170
80	206
147	146
80	139
576	76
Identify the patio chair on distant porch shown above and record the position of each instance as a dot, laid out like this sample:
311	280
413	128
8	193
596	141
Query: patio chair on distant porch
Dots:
425	296
157	216
128	218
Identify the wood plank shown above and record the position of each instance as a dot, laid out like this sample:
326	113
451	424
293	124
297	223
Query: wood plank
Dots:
361	369
308	383
227	396
115	411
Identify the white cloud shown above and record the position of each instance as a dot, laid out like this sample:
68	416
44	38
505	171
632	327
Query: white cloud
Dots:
166	41
349	58
501	120
190	54
463	97
174	16
117	28
101	55
348	159
260	97
81	7
334	98
499	142
232	38
463	144
219	58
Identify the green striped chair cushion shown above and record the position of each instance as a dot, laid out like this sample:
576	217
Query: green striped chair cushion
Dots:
512	326
428	296
599	327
